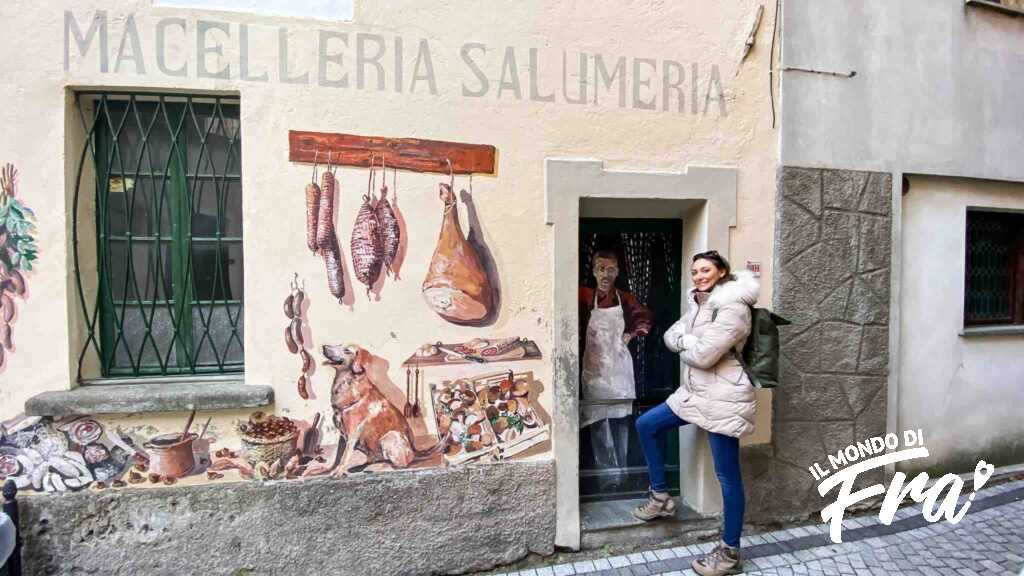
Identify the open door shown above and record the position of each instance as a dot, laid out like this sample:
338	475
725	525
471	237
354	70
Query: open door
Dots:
612	465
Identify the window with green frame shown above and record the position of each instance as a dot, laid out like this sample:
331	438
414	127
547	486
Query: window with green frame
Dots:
168	229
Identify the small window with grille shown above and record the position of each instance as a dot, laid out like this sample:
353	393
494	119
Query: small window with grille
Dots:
160	191
995	268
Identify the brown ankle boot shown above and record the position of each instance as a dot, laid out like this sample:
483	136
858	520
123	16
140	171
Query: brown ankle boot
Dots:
657	506
719	562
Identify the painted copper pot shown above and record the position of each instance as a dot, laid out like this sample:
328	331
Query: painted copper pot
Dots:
171	455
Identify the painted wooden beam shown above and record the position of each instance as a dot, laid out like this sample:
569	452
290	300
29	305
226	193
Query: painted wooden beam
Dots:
403	153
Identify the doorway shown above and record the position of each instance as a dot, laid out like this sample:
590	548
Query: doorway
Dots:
648	250
704	197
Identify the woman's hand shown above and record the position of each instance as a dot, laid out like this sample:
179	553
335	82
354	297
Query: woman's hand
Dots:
626	338
689	341
673	336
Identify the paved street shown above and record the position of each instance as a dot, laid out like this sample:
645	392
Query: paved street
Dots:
989	540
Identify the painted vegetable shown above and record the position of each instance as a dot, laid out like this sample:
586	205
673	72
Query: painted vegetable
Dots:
15	283
456	286
390	232
17	253
367	245
303	385
312	215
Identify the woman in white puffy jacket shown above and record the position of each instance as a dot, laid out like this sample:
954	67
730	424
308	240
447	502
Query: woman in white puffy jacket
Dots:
716	395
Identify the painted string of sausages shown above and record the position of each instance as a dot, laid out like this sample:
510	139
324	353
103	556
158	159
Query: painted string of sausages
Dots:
293	337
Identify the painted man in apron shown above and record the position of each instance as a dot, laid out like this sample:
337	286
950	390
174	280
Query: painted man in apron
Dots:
609	319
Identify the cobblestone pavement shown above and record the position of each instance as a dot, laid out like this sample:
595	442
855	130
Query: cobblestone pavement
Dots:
988	540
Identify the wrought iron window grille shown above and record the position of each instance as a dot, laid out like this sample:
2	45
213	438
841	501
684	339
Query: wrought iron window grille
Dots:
994	283
157	213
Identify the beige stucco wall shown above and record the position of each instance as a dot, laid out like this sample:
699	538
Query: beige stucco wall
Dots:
735	131
963	391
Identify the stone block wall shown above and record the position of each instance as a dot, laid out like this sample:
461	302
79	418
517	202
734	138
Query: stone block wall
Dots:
833	249
436	521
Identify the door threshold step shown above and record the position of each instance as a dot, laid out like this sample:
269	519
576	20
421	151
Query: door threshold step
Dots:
612	523
610	514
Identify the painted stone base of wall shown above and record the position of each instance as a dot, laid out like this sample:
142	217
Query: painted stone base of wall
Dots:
429	522
833	249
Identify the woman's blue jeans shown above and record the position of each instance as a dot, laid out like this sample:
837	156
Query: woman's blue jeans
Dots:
725	451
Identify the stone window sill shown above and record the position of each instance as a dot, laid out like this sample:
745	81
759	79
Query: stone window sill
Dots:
973	331
130	396
996	6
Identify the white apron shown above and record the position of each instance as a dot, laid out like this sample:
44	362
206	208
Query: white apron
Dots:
607	365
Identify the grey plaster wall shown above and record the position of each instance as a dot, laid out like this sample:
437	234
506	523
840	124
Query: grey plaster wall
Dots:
832	267
428	522
936	91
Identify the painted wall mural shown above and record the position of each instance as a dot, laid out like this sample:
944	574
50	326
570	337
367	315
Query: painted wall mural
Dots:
320	234
461	284
477	406
491	415
296	335
17	253
488	417
457	286
43	455
377	239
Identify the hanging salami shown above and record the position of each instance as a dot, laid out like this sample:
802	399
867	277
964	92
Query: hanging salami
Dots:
331	252
325	209
312	215
456	286
391	234
367	243
325	237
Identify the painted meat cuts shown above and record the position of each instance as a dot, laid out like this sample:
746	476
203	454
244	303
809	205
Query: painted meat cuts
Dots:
326	239
390	231
367	244
456	286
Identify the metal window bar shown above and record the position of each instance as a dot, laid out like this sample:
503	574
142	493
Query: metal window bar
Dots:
168	233
989	279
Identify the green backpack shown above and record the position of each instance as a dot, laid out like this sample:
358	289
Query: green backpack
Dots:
760	355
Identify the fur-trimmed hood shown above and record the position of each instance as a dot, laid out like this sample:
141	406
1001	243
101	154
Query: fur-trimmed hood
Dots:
744	288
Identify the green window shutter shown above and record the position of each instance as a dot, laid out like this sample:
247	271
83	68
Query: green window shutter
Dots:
168	230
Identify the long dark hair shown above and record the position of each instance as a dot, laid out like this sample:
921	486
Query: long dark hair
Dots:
718	260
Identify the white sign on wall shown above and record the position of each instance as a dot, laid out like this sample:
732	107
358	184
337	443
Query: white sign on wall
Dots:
322	9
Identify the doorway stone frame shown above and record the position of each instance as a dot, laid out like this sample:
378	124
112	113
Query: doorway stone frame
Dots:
708	196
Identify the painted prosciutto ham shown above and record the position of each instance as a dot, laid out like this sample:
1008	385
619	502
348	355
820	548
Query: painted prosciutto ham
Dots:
456	286
367	244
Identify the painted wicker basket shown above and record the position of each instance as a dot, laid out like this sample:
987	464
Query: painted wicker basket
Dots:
268	450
